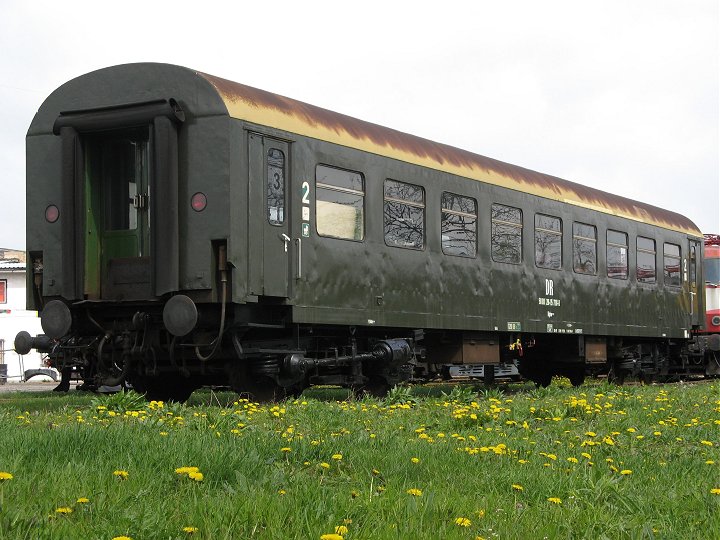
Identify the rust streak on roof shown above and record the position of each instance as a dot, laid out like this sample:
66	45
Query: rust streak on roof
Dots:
265	108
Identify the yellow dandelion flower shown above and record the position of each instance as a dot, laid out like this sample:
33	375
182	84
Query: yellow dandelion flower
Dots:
5	476
517	487
122	538
572	460
337	457
186	470
341	529
83	500
281	492
190	530
325	465
709	462
64	510
555	500
197	476
414	492
415	460
331	537
715	491
286	449
121	474
626	472
462	522
706	443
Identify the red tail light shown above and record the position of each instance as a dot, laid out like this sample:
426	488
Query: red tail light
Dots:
52	213
198	202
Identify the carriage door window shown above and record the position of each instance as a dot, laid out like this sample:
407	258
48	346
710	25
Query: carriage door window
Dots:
275	186
124	169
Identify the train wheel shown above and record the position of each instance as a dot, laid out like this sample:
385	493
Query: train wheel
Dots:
577	376
616	375
170	387
376	387
542	380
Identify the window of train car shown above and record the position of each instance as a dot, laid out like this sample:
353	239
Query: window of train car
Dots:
584	248
404	212
339	203
617	255
275	186
671	264
506	234
548	242
458	225
646	260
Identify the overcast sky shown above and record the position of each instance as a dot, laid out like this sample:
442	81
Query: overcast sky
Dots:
621	95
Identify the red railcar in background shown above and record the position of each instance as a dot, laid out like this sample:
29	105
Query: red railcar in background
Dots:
710	336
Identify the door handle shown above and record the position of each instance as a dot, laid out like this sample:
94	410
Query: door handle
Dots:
285	238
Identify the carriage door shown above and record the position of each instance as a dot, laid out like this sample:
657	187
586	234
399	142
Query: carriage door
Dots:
270	242
117	258
696	285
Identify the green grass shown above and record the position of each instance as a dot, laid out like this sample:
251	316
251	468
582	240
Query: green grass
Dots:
300	469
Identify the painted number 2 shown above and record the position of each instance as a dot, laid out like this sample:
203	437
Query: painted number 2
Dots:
306	193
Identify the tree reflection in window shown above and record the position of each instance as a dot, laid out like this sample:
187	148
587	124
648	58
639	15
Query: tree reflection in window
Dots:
584	249
506	234
671	264
404	212
548	242
646	260
617	250
459	225
275	186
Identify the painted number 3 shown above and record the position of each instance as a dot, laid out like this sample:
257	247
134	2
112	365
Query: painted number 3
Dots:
306	193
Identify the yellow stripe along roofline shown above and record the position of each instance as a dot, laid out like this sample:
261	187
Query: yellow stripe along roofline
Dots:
268	109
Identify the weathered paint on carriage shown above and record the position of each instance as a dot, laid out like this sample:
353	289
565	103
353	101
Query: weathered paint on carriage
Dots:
268	109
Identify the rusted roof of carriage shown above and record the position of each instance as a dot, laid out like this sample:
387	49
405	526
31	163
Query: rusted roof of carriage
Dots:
265	108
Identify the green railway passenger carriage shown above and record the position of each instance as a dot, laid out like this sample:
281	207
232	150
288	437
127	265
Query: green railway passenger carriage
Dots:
186	230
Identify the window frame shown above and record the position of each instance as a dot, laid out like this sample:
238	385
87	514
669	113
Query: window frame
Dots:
460	213
405	202
340	189
518	225
578	237
638	251
678	258
550	232
626	247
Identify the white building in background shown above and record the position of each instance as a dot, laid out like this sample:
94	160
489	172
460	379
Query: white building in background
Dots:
13	315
